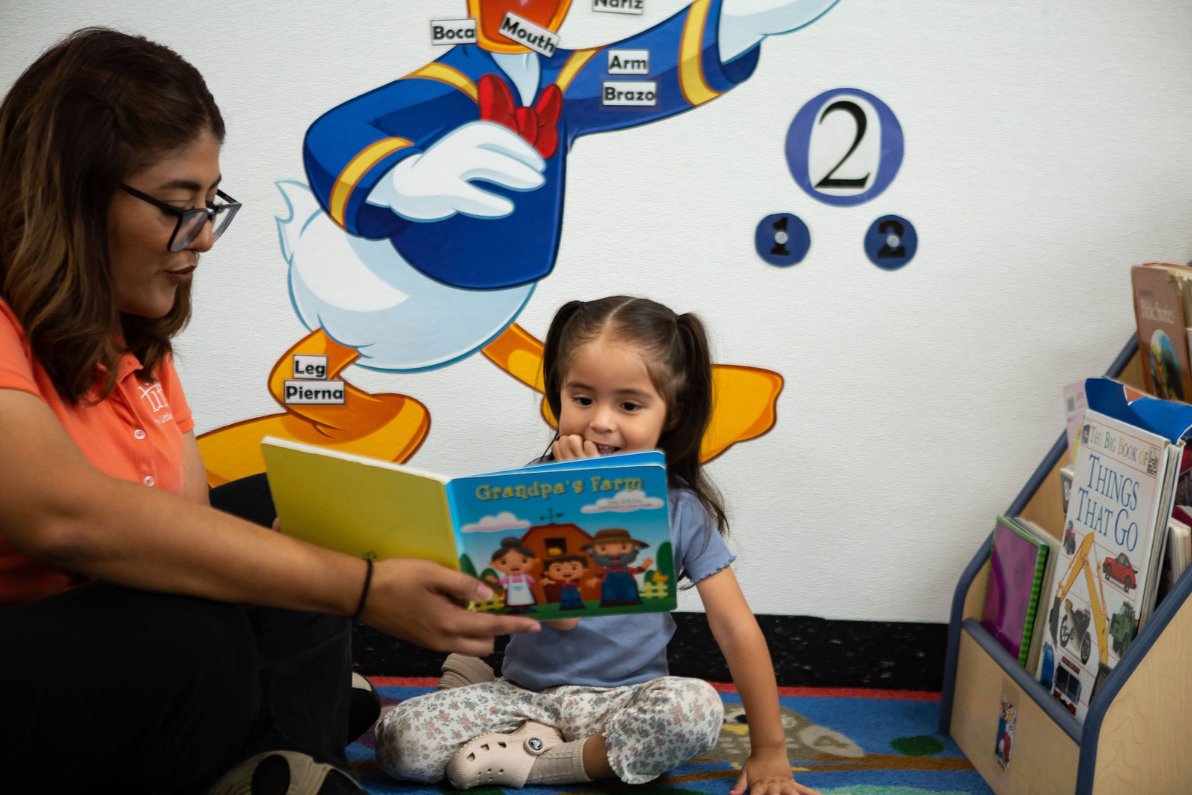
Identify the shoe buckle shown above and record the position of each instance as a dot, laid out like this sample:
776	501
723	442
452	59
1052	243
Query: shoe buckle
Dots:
535	745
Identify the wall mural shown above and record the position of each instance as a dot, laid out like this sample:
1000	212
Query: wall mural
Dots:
434	204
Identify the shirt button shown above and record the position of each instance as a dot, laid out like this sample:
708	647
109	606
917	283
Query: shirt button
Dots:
149	481
138	433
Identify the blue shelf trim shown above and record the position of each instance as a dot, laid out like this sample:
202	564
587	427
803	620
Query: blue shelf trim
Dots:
1054	709
957	619
966	579
1119	364
1113	683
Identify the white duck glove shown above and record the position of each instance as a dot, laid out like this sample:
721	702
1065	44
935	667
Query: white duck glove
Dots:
437	183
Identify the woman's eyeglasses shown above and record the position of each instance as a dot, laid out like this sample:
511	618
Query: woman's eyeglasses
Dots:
191	222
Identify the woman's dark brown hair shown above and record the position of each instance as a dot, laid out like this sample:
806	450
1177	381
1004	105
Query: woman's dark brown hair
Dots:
512	544
94	109
679	361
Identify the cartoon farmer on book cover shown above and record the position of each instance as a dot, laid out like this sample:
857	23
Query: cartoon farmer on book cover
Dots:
436	204
613	550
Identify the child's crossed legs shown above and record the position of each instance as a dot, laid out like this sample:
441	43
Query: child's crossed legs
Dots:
648	728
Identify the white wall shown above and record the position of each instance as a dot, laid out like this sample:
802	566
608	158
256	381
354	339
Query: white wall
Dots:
1046	151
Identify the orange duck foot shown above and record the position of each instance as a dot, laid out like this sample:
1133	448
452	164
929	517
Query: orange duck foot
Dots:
744	398
386	426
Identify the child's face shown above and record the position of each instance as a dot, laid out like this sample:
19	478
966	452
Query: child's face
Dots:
565	571
609	399
512	563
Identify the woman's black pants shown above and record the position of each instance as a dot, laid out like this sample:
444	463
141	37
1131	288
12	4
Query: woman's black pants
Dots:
105	688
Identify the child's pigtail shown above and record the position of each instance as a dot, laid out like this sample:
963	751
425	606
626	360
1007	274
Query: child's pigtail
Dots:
693	405
697	372
552	373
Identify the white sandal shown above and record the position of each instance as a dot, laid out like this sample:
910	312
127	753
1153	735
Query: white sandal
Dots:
503	759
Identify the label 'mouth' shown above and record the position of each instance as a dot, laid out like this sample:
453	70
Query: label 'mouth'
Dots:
526	33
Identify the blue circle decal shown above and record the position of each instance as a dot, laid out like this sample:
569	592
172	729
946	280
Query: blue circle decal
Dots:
891	242
782	239
844	147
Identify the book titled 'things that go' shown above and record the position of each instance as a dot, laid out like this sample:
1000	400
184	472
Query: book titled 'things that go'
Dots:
554	540
1114	534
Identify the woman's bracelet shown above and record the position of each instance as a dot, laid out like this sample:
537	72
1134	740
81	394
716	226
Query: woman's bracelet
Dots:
364	592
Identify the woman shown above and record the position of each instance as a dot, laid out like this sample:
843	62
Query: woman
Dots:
208	653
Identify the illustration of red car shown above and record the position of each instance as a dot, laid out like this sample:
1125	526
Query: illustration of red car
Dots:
1119	569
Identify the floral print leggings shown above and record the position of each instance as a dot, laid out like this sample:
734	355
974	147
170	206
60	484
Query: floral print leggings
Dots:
649	727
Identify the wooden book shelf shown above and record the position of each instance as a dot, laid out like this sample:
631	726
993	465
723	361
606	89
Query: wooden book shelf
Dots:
1137	735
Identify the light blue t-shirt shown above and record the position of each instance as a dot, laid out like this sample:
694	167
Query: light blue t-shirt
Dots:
612	651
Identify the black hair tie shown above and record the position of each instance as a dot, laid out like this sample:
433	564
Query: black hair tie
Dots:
364	592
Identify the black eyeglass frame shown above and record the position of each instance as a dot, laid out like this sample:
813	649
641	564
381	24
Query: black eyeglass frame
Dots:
230	206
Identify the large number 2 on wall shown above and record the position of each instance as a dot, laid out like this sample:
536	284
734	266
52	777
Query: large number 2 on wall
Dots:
876	147
858	115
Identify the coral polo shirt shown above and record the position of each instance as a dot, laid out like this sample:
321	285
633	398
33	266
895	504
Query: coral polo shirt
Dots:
134	434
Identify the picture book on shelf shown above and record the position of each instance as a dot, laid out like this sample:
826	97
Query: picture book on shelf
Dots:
1075	403
1066	476
554	540
1178	554
1107	573
1162	332
1074	406
1038	631
1017	562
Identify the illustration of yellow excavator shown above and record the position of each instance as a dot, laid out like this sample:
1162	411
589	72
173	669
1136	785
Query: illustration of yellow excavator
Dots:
1074	624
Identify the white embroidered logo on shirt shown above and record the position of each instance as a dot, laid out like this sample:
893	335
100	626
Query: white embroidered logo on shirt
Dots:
157	398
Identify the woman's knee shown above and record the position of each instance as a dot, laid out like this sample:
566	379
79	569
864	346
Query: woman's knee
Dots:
202	654
204	639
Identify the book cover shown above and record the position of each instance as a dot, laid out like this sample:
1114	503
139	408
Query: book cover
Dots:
555	540
1066	476
1076	401
1038	624
1104	585
1074	406
1016	566
1162	335
1178	554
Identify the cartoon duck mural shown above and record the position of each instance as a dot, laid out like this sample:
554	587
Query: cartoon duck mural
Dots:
435	204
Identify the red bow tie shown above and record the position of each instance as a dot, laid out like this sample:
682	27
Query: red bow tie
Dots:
539	125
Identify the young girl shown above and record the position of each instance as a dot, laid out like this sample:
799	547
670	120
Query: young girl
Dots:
591	698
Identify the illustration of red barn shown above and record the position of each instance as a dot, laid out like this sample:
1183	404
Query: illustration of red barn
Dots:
559	538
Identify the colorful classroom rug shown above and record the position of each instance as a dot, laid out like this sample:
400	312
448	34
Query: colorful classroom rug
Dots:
860	742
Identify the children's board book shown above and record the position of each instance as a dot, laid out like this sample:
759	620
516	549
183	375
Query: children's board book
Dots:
1107	574
555	540
1074	406
1075	403
1179	552
1016	566
1162	336
1066	476
1039	622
